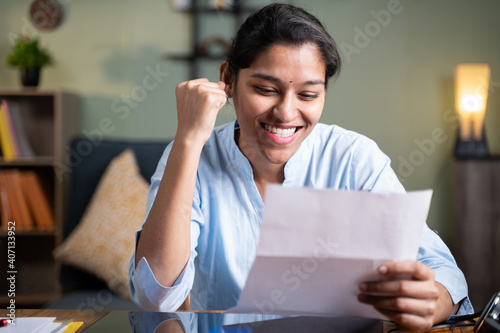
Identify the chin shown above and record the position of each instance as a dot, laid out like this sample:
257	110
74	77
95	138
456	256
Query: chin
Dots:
278	157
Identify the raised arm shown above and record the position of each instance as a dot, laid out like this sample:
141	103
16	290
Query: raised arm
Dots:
165	237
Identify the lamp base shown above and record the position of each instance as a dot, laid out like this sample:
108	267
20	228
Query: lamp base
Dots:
471	149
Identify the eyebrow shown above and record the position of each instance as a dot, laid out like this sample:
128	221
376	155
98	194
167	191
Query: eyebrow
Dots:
275	79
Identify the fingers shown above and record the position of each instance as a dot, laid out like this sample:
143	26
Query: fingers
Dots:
198	103
408	288
416	269
218	85
221	85
411	302
200	86
413	306
419	285
410	314
408	322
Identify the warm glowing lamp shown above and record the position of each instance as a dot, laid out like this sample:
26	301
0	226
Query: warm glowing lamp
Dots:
471	92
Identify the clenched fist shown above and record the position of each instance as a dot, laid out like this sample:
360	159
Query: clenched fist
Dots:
198	103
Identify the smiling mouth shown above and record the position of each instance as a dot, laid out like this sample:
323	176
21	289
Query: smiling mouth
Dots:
279	131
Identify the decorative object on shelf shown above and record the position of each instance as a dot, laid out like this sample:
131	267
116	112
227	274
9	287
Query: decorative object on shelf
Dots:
206	45
221	4
30	58
471	93
46	14
181	5
184	5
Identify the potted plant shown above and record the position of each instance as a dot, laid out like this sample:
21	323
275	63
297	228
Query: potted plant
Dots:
29	57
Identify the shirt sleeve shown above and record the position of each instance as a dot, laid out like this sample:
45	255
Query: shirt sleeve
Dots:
434	253
145	289
374	173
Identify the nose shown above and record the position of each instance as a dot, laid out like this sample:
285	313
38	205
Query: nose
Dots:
286	107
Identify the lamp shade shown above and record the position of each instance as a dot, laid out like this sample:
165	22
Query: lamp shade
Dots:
471	93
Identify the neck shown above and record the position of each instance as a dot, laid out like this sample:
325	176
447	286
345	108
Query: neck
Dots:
263	172
267	175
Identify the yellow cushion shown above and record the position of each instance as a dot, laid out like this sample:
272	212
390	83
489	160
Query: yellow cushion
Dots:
104	240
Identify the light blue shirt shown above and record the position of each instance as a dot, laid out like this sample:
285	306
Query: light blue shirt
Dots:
227	208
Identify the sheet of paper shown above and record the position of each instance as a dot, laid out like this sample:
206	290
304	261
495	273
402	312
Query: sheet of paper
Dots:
28	324
316	246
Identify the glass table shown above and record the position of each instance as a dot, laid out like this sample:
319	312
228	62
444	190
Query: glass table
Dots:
208	322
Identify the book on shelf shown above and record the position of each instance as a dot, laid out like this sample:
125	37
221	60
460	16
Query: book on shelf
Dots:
23	200
37	201
10	126
14	176
6	137
4	203
14	140
13	108
15	213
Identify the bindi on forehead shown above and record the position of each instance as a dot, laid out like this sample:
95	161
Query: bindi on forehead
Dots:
279	81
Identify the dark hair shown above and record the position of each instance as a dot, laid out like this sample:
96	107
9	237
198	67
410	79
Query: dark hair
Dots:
281	24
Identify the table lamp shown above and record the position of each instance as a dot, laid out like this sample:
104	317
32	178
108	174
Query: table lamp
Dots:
471	93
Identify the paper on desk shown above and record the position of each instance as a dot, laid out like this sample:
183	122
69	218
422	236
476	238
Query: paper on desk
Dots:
316	246
28	324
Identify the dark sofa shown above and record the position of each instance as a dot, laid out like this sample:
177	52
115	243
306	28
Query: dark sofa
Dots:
82	290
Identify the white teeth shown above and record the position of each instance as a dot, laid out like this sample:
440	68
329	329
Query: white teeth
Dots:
281	132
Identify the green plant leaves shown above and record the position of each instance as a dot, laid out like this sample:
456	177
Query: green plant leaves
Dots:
27	54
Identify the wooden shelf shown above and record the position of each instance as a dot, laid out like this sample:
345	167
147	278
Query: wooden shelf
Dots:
34	232
38	161
50	119
239	11
29	92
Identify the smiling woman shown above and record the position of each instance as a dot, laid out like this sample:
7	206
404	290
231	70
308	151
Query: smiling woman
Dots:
275	116
199	237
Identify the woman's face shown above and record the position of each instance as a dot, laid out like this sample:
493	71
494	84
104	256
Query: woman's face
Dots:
278	101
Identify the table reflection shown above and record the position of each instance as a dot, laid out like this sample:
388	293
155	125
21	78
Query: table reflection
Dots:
190	322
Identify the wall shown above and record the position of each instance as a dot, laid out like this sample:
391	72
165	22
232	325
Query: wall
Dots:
396	85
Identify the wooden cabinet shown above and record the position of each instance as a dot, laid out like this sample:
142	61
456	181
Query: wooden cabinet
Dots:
477	226
50	118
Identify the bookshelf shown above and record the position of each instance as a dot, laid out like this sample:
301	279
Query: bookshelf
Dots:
50	119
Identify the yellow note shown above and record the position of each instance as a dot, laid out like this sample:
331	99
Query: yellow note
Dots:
73	327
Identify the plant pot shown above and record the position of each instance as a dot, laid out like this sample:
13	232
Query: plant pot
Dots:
30	77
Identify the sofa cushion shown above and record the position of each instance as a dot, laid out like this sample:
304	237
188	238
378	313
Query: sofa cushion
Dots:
87	168
104	241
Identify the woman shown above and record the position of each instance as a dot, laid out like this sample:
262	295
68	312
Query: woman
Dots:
205	199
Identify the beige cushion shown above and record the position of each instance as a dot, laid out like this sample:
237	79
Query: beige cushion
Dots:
103	241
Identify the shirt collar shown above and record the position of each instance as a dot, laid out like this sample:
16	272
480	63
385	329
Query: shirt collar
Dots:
236	157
